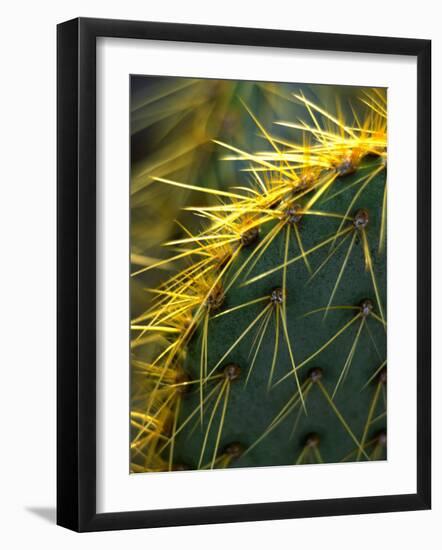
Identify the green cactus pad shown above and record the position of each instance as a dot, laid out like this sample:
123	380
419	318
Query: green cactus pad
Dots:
265	344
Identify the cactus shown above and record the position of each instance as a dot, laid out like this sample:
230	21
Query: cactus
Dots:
266	346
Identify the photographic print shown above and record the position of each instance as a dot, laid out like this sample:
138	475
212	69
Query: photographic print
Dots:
258	220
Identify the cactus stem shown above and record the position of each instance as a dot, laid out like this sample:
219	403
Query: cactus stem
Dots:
369	264
172	438
374	402
262	330
222	388
291	404
240	337
250	236
301	248
340	417
241	306
200	311
284	272
322	348
301	456
293	214
244	226
259	332
310	451
379	319
382	231
292	359
382	377
349	186
231	372
299	257
349	359
327	258
375	346
341	272
275	354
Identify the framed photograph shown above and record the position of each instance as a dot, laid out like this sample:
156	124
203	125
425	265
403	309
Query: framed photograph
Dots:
235	276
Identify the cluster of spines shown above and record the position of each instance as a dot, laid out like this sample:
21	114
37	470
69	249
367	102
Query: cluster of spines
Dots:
287	183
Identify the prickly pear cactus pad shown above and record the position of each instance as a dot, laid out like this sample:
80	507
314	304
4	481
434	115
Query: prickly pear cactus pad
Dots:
258	274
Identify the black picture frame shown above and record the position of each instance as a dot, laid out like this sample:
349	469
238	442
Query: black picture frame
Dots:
76	272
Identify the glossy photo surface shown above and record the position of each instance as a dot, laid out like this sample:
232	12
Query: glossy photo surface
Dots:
258	274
